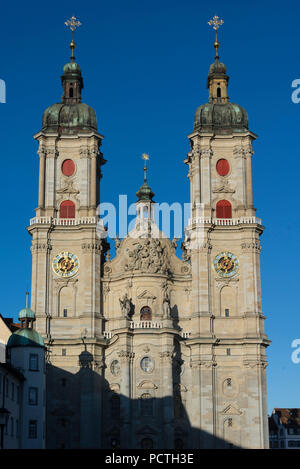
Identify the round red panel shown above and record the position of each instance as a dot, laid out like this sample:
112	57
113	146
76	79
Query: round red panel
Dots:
223	167
68	167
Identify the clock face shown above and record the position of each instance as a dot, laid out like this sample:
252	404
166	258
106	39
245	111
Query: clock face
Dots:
65	264
226	264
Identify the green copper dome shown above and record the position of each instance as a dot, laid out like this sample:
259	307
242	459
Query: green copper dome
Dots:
145	193
69	118
25	337
26	313
72	67
217	68
221	118
71	115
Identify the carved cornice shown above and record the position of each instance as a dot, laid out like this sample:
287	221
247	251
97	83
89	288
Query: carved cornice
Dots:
40	247
91	247
166	356
251	246
126	356
255	363
206	153
243	152
202	363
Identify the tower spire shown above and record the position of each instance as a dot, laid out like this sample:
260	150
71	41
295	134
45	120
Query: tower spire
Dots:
145	158
73	23
216	22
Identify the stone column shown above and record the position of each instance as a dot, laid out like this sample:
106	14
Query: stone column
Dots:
42	154
93	179
205	162
126	359
249	189
168	410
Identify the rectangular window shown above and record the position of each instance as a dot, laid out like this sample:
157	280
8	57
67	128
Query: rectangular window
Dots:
33	396
33	362
63	352
65	313
32	429
227	313
228	351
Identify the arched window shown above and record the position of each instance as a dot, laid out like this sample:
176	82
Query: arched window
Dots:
147	443
224	209
146	314
218	92
115	407
71	92
67	209
146	405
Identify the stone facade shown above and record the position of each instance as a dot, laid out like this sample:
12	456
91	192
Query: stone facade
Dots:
147	350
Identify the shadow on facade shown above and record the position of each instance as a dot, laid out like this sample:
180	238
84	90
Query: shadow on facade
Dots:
84	411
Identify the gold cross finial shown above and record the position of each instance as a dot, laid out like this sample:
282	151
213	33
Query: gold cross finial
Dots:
145	157
216	22
73	23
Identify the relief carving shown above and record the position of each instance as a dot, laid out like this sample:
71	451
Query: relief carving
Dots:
148	256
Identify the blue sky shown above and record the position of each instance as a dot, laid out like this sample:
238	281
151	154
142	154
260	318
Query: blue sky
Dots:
145	67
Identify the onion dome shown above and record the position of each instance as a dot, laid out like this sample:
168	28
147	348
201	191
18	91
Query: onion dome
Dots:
145	194
71	115
221	118
219	115
26	335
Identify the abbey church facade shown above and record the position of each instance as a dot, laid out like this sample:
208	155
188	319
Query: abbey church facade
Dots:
147	350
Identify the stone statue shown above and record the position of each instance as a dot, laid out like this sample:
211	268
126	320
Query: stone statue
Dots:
125	304
166	302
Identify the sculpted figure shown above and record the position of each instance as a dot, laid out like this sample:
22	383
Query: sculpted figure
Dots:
166	302
125	304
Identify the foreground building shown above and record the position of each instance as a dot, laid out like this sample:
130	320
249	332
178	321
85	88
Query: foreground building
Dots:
22	385
147	350
284	429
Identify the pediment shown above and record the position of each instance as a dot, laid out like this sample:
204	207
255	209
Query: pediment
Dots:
231	410
145	295
147	385
146	430
225	188
68	189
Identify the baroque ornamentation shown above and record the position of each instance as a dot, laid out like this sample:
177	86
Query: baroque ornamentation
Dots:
126	306
166	356
252	246
90	247
224	189
126	356
39	247
148	256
